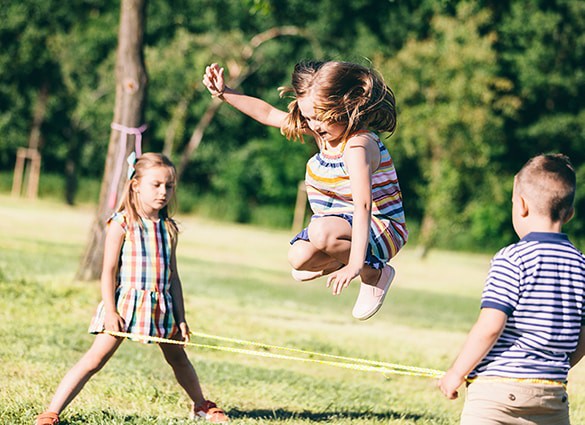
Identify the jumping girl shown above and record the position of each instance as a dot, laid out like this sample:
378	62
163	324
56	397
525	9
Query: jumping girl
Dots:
358	223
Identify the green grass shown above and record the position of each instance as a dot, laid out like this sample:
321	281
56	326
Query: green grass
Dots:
237	284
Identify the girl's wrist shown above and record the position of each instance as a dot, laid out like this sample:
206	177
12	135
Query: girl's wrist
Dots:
110	309
219	94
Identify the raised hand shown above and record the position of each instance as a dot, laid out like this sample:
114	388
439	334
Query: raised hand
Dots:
213	79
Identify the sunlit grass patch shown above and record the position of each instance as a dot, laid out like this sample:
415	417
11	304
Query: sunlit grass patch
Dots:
236	284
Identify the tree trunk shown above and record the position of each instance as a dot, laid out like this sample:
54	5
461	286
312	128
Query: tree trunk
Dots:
131	79
197	136
427	235
433	202
176	127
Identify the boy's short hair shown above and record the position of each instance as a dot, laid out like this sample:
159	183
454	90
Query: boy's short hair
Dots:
549	181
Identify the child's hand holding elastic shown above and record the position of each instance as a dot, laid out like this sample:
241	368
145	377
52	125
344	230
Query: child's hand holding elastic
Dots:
113	322
185	332
213	80
449	384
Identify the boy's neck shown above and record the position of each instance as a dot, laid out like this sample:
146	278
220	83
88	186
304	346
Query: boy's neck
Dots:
542	225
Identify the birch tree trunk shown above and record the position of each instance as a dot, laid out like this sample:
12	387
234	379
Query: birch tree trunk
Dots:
131	79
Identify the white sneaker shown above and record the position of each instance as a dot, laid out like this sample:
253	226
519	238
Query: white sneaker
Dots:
371	298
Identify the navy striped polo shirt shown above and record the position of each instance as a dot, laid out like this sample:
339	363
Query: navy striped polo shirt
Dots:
539	282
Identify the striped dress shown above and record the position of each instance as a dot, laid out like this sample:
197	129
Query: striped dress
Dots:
329	193
142	294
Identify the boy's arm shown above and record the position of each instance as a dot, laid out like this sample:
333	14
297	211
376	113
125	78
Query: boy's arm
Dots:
580	351
255	108
479	342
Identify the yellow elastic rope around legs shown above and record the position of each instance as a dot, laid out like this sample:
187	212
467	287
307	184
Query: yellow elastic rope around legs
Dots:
340	361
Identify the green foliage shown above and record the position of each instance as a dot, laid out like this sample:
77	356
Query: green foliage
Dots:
480	86
448	123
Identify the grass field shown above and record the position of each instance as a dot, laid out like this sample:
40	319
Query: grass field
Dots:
237	284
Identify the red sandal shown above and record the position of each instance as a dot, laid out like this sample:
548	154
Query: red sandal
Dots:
48	418
210	412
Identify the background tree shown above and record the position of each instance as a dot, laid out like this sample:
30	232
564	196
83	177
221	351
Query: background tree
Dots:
541	50
449	131
467	119
131	81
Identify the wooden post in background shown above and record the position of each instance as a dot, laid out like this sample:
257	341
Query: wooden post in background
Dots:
30	174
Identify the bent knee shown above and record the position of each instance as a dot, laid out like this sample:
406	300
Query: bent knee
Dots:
320	236
297	257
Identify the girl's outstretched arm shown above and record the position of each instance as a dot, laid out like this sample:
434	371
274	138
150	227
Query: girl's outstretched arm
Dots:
255	108
113	245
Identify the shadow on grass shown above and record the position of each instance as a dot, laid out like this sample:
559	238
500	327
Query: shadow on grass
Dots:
265	415
282	414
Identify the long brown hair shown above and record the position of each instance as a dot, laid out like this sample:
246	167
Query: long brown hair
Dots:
129	201
344	92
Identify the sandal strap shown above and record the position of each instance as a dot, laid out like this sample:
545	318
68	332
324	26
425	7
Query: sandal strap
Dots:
48	418
214	410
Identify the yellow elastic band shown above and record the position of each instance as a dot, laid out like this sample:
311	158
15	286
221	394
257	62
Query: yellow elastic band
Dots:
535	381
347	363
340	361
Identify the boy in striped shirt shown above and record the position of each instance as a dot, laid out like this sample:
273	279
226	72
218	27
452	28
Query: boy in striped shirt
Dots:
531	328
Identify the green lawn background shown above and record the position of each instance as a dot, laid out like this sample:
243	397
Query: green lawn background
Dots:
236	284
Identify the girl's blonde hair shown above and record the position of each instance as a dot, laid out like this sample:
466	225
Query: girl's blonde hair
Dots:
343	92
130	200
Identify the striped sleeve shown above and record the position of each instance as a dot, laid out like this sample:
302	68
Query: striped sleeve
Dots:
501	290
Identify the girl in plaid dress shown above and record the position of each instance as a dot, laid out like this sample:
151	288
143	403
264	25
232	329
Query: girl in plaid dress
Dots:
141	289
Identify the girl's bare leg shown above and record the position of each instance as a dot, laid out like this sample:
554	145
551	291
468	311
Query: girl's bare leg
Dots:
72	383
328	249
303	255
185	374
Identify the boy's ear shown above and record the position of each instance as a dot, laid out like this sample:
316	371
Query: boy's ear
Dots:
523	207
569	216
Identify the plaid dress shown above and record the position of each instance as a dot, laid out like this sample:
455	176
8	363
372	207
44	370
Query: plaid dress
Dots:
142	294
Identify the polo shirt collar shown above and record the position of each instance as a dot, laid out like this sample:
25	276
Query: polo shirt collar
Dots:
545	237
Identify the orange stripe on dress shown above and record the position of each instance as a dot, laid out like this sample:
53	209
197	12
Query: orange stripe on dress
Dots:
326	179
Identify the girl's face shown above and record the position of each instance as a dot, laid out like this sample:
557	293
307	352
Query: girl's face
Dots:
326	131
154	189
